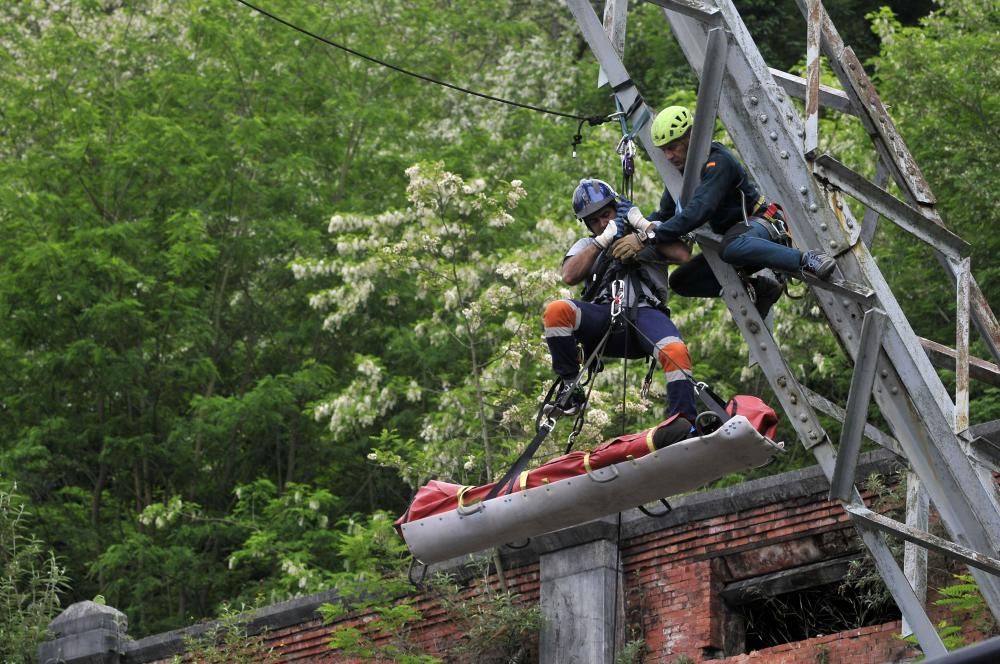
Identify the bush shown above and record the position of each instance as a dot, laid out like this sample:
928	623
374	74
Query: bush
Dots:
30	586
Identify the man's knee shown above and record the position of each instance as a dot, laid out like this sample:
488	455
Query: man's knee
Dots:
560	314
674	357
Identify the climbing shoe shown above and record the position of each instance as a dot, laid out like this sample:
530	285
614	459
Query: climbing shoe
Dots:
818	264
767	291
569	401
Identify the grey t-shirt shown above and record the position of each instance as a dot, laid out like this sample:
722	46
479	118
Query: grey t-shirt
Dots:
605	295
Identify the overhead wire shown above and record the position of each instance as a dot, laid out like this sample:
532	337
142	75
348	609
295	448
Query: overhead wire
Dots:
593	120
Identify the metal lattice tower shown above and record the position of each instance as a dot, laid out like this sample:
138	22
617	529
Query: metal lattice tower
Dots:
930	427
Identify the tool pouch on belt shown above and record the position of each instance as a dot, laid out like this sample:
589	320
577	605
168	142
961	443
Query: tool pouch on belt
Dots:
770	218
773	218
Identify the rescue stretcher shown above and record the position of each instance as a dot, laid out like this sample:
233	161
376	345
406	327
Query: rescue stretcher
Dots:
448	520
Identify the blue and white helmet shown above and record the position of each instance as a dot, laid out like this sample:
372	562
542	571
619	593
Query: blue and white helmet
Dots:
590	196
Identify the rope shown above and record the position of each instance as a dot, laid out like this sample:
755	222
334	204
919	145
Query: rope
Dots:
422	77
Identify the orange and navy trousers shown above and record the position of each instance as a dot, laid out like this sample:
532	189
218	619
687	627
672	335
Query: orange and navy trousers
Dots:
569	322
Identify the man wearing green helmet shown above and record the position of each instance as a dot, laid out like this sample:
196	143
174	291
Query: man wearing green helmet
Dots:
729	201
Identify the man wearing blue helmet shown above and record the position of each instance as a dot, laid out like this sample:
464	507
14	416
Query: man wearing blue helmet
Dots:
568	322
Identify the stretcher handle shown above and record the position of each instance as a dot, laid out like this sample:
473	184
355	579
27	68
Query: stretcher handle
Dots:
467	510
592	474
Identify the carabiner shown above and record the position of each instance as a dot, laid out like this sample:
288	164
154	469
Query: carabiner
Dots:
617	295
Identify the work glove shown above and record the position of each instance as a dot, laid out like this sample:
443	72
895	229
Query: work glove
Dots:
627	247
639	222
623	207
613	230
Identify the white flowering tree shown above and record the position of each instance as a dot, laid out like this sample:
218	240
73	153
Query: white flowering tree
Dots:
452	309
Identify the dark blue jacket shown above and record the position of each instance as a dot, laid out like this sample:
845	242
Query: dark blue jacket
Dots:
716	200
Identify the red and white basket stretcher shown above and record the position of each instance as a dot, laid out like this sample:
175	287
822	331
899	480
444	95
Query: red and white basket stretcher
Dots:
448	520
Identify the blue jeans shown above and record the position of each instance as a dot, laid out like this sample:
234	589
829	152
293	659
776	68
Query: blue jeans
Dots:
753	250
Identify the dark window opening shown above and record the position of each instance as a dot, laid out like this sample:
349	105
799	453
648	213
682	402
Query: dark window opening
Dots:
811	612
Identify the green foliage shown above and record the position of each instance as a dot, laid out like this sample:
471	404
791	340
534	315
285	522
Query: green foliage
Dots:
967	606
633	652
223	280
227	641
492	625
373	578
949	121
31	583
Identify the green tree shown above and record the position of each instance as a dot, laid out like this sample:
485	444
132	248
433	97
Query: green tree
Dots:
948	117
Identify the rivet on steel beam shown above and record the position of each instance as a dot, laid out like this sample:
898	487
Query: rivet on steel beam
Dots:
894	390
812	435
803	417
803	190
822	227
793	398
910	170
813	207
850	224
852	66
850	336
845	302
783	154
863	84
773	135
840	206
884	373
763	346
763	118
782	381
754	100
800	133
833	244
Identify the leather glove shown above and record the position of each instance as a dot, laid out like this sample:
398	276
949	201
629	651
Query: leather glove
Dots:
639	222
614	229
627	247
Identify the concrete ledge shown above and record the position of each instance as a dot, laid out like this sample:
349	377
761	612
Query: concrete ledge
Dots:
276	616
99	646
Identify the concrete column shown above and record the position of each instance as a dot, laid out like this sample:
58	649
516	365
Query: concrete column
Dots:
580	595
85	633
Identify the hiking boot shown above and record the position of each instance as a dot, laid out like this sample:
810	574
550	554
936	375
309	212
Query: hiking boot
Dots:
569	401
818	264
767	291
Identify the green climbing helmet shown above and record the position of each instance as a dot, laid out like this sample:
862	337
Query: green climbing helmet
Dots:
670	124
